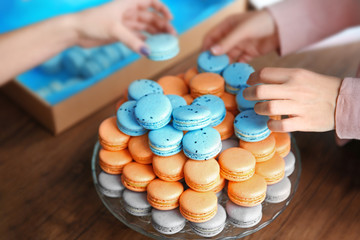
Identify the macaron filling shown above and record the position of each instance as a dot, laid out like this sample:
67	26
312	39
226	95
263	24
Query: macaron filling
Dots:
133	185
165	150
162	203
235	175
246	201
246	136
201	217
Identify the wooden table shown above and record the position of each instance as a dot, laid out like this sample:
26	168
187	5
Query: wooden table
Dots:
46	189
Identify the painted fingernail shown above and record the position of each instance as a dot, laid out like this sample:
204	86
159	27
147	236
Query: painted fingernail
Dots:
216	49
145	51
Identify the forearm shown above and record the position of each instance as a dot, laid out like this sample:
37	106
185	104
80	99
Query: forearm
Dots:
25	48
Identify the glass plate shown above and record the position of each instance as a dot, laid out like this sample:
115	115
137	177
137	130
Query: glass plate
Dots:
143	224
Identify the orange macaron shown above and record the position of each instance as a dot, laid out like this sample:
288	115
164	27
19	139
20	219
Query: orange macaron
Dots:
139	149
283	143
189	74
219	185
164	195
237	164
137	176
201	176
262	150
248	193
188	98
226	127
181	75
169	168
198	206
173	85
207	83
272	170
110	137
230	103
114	162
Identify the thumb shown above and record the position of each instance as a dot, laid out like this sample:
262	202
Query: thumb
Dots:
229	41
131	40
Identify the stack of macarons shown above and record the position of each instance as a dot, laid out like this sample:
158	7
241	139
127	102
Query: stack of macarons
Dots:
173	150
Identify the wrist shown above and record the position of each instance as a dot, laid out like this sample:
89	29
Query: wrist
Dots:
68	26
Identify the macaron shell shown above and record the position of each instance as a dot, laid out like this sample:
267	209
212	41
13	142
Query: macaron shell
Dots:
289	164
176	101
226	127
236	76
126	120
114	162
262	150
216	106
206	83
162	46
272	170
110	185
248	193
135	203
278	192
140	150
237	164
187	118
283	143
167	221
243	217
165	141
173	85
210	63
230	103
220	184
141	87
202	176
189	74
251	127
169	168
137	176
198	206
164	195
110	137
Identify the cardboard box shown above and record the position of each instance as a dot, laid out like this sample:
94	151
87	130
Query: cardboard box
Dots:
65	114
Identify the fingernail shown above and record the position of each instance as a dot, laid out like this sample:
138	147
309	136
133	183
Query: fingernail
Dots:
216	49
145	51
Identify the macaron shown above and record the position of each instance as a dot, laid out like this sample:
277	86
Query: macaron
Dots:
289	164
173	85
230	103
202	176
248	193
126	120
216	106
181	75
165	141
73	60
176	101
136	203
123	49
90	68
262	150
226	127
243	217
251	127
202	144
237	164
137	176
242	103
110	185
153	111
206	83
283	143
139	149
212	227
112	53
52	65
198	206
278	192
169	168
189	74
164	195
188	118
110	137
219	186
114	162
167	222
119	103
210	63
229	143
188	98
101	59
141	87
236	76
162	46
272	170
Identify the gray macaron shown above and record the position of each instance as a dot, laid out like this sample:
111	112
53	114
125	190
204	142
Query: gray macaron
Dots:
168	221
136	203
110	185
243	217
278	192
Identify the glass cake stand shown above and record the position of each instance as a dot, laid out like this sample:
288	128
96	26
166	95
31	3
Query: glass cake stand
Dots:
143	224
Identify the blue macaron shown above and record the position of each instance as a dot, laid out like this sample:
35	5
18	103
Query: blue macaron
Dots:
202	144
167	221
112	53
162	46
278	192
102	59
52	65
110	185
165	141
242	103
176	101
289	163
136	203
141	87
251	127
153	111
188	118
73	61
236	76
209	63
243	217
126	120
90	68
216	106
212	227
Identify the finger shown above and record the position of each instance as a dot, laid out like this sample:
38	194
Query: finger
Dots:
276	107
234	53
130	39
161	8
270	75
151	18
266	92
290	124
245	58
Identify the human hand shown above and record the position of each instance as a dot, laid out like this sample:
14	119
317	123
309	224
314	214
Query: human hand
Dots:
243	36
308	98
122	20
